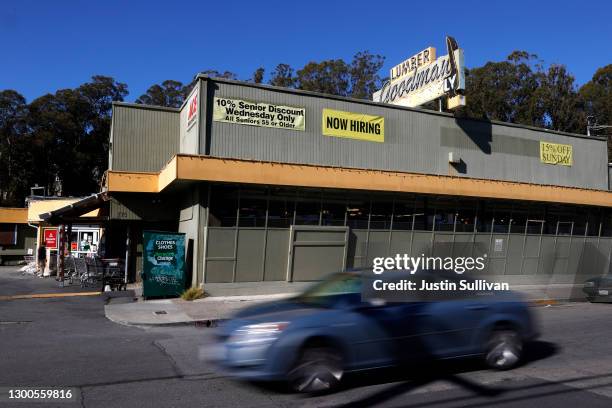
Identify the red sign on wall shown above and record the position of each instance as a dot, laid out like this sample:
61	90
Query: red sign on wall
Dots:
50	238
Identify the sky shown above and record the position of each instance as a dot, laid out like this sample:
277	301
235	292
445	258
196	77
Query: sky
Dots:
51	45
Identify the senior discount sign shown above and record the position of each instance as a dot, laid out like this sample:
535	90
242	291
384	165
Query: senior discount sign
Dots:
259	114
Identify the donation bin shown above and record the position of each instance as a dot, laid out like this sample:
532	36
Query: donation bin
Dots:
163	269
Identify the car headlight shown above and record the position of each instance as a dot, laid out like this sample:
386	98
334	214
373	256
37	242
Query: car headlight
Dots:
260	333
589	284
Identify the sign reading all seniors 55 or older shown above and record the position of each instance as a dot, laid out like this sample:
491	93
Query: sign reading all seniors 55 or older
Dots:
259	114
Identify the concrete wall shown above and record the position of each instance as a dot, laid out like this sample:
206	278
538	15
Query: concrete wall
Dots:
415	141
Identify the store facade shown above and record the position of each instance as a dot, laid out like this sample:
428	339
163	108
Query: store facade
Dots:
279	185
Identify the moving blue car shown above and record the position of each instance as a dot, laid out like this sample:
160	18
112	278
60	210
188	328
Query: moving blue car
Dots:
312	340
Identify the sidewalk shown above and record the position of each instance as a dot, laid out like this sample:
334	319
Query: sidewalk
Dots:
209	310
168	312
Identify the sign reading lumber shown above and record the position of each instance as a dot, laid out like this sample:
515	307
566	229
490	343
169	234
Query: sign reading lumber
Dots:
259	114
353	125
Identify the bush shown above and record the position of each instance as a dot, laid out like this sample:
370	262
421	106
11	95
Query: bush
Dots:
192	293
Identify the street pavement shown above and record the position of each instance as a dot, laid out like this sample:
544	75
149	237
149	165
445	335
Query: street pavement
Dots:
68	342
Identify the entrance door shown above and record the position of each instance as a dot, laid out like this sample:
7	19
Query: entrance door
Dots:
315	252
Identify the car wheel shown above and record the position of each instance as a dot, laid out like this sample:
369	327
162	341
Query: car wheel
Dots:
319	369
504	349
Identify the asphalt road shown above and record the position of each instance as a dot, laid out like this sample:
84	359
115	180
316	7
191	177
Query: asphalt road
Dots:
68	342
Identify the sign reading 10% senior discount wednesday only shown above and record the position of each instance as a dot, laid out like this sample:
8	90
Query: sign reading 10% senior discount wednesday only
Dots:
259	114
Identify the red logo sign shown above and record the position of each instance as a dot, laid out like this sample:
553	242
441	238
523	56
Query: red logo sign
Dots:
193	107
50	238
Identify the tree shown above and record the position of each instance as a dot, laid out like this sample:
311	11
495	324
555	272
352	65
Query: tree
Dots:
364	78
283	76
597	97
14	160
563	108
69	132
505	90
258	75
169	93
330	77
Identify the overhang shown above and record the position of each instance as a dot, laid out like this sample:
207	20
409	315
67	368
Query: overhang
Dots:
182	168
9	215
72	213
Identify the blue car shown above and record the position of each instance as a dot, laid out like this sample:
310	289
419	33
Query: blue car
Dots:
312	340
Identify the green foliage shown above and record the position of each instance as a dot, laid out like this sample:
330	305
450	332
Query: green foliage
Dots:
169	93
357	79
258	75
192	293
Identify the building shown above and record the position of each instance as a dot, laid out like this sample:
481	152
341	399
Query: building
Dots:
279	185
17	238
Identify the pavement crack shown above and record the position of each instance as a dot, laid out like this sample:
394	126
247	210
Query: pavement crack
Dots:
173	362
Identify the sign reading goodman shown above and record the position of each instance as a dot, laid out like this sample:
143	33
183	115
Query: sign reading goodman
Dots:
259	114
444	76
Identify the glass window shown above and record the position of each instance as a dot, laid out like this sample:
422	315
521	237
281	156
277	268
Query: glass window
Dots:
466	215
606	224
445	212
280	208
253	205
594	218
223	206
403	214
380	218
333	211
423	215
308	209
357	213
502	212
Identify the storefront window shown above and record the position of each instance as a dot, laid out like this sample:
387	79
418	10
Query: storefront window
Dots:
252	208
445	212
308	209
402	215
280	208
357	214
333	211
223	206
380	218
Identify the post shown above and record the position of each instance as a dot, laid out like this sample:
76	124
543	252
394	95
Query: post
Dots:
127	255
61	249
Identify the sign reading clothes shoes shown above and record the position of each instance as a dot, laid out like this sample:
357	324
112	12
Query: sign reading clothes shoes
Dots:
259	114
353	125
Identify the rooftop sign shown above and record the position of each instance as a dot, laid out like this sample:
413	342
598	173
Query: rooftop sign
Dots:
420	79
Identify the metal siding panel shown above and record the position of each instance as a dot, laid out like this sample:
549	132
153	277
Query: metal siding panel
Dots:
277	252
143	139
414	142
249	260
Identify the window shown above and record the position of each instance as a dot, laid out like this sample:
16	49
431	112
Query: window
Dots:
403	215
380	217
357	214
223	206
253	205
466	215
308	209
280	209
333	211
8	234
445	212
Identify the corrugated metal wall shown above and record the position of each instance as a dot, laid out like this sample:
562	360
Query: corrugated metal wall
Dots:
143	138
414	142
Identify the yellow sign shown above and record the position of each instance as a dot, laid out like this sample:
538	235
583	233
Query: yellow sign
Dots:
425	57
259	114
353	125
553	153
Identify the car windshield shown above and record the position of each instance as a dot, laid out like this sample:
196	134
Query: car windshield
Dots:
336	285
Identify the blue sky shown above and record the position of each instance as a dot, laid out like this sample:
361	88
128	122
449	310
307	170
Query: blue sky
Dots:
49	45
